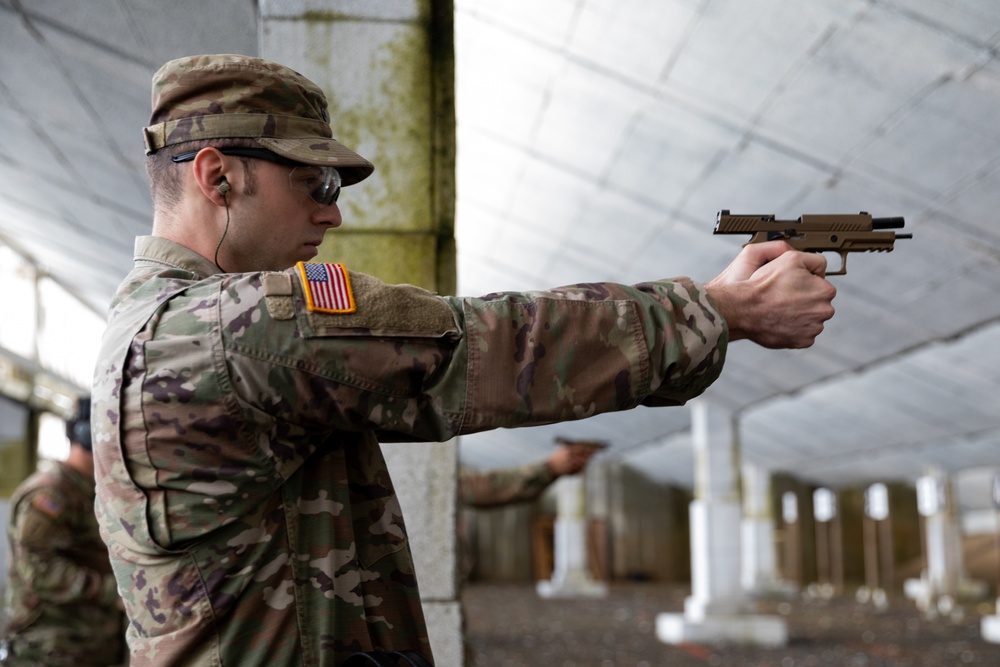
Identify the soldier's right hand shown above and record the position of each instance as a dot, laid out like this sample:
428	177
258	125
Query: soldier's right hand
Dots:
570	458
774	295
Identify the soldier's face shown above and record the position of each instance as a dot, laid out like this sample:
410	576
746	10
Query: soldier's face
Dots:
276	225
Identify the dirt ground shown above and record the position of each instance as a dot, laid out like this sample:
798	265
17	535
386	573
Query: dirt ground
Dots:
508	625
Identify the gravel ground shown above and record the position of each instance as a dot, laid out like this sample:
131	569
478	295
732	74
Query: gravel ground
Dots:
508	625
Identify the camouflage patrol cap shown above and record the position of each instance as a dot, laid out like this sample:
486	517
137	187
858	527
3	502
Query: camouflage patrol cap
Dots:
234	96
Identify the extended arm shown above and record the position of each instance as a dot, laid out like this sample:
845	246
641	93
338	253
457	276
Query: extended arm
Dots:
492	488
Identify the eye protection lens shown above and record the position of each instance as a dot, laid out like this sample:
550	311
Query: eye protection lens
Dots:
320	183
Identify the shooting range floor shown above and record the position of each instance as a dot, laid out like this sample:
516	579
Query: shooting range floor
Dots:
508	625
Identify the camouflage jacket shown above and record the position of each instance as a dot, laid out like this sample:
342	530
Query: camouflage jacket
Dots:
242	492
62	600
492	488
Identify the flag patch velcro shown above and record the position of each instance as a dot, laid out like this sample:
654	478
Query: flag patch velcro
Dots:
327	287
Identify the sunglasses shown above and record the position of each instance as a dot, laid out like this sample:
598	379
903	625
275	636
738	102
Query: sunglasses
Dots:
321	183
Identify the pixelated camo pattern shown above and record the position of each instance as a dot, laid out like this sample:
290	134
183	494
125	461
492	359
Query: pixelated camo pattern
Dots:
248	509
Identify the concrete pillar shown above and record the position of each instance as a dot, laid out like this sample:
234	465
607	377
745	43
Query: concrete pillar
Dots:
388	72
989	626
571	574
718	608
879	562
759	563
829	549
943	582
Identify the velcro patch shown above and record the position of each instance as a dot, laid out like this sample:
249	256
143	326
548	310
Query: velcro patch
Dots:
278	295
327	287
387	310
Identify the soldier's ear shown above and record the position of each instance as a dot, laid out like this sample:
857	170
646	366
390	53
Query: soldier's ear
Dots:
210	169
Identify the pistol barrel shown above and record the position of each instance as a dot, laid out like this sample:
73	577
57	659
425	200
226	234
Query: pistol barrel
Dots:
888	223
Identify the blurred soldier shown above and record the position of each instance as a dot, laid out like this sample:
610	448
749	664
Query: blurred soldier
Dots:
492	488
242	387
62	601
488	489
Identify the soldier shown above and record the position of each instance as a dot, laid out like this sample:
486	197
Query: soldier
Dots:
239	389
62	600
488	489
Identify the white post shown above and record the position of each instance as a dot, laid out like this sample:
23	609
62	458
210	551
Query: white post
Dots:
718	609
828	549
944	583
571	573
760	563
4	510
989	626
943	561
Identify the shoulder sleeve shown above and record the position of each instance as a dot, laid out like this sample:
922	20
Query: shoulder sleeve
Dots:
300	371
39	520
578	351
44	542
410	364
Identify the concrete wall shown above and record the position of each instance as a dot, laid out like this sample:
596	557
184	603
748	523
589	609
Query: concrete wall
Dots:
649	526
17	445
498	543
4	554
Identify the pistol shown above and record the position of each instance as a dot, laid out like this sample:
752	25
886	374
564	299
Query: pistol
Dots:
818	233
593	444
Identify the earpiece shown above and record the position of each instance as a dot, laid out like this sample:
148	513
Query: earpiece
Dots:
223	187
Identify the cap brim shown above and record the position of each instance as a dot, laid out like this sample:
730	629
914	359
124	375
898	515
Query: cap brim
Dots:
322	151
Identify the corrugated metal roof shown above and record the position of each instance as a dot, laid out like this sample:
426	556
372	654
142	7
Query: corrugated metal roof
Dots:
597	141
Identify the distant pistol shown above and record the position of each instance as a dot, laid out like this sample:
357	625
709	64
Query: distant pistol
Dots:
818	233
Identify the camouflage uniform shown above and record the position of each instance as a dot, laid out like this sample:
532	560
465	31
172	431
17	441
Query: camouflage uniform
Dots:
493	488
241	488
62	601
249	512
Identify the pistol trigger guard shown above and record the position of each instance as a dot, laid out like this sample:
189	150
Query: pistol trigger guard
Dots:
843	266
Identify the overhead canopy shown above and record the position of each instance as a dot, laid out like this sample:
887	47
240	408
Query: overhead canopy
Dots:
597	141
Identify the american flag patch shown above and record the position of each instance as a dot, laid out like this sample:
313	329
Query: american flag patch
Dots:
47	504
327	288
